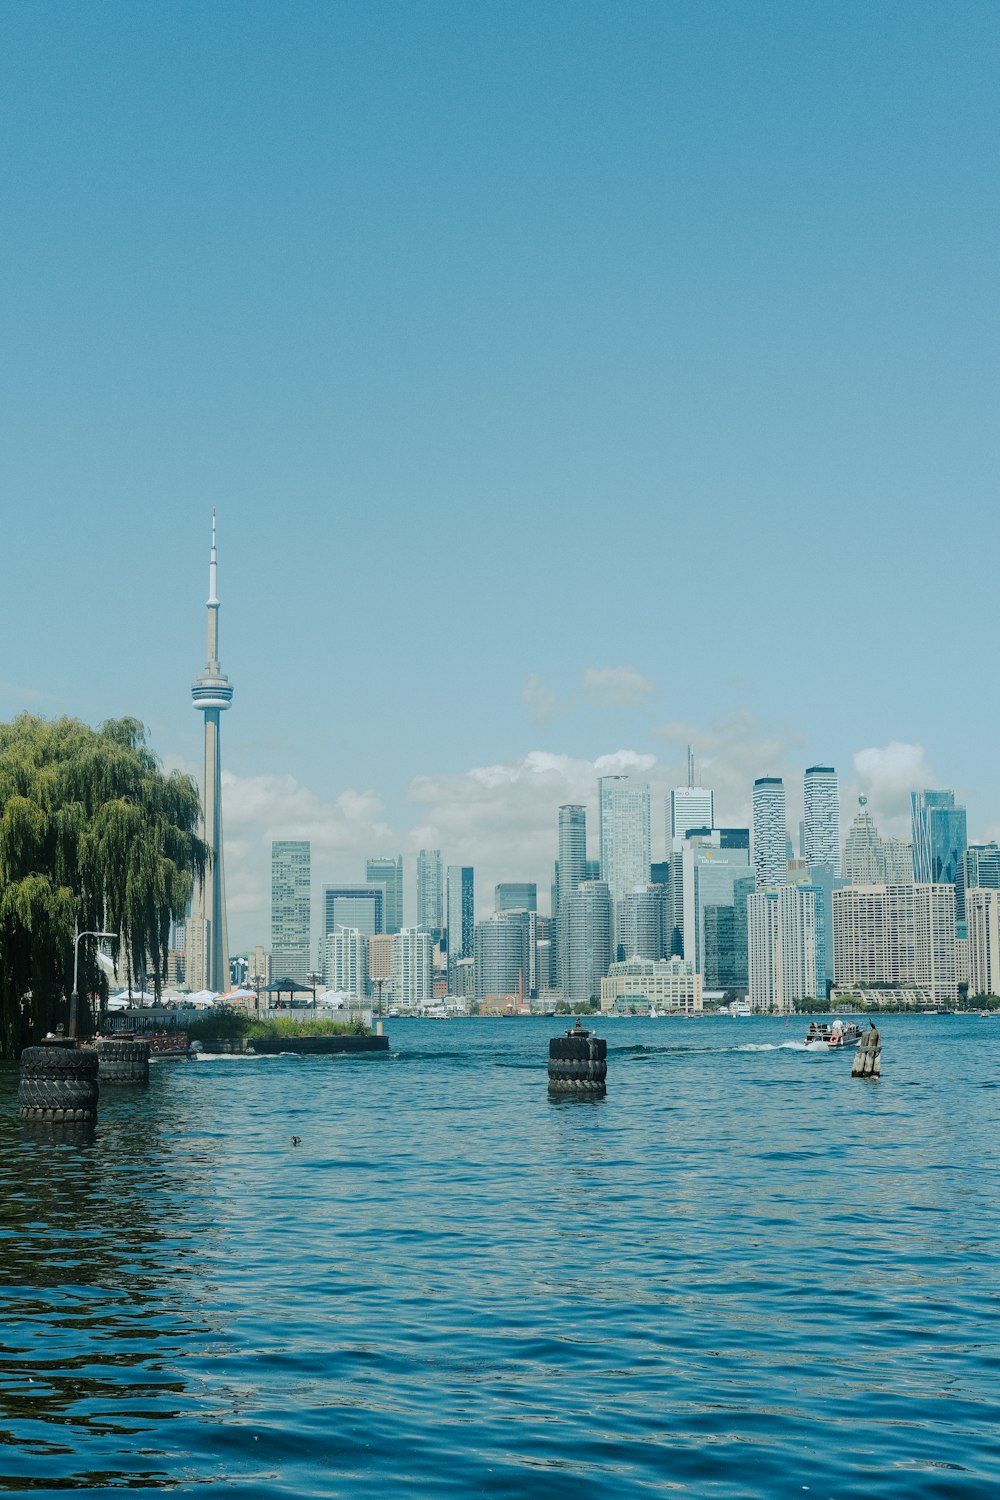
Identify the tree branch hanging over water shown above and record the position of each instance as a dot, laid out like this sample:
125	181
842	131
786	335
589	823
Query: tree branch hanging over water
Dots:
94	836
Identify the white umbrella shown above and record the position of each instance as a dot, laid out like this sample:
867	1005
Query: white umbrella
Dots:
131	998
203	997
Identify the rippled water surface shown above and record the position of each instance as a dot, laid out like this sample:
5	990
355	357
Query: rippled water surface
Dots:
742	1273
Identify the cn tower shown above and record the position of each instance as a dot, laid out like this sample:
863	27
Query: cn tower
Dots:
211	694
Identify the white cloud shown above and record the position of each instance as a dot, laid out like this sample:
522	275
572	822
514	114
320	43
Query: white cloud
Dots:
886	775
616	686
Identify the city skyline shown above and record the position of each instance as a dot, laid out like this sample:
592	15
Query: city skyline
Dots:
610	297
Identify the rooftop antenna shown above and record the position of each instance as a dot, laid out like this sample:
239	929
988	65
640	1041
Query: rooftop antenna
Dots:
690	766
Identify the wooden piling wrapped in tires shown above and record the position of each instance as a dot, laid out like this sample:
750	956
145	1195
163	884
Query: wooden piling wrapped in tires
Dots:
58	1084
123	1062
868	1058
578	1063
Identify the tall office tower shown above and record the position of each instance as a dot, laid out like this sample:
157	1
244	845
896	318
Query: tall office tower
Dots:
689	807
624	825
724	940
897	862
897	934
360	906
430	891
460	916
502	960
981	867
389	873
211	694
290	906
541	954
982	913
639	924
821	826
412	968
516	895
570	871
864	861
939	842
588	918
709	872
781	928
770	856
345	961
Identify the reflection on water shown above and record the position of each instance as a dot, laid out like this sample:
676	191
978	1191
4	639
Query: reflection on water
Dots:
739	1273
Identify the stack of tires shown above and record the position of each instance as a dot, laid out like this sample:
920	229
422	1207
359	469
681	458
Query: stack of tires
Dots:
58	1084
578	1063
123	1062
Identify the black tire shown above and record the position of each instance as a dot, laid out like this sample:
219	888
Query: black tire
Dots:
59	1062
57	1116
124	1050
124	1075
58	1093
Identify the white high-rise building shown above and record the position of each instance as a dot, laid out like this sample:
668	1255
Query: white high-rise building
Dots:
770	837
345	961
897	935
412	968
897	862
781	937
982	913
821	826
623	807
290	909
690	807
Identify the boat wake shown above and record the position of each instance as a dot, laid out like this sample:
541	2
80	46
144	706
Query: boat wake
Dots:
773	1047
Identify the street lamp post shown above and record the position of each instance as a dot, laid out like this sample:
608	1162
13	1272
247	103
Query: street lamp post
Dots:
74	999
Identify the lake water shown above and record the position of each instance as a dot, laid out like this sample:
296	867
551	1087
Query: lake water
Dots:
742	1273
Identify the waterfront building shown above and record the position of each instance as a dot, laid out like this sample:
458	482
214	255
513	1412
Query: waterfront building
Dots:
516	895
781	930
291	947
821	825
502	945
430	891
345	962
569	874
360	906
670	984
939	842
897	934
982	914
639	924
380	958
588	918
212	693
460	916
770	854
623	808
388	873
412	968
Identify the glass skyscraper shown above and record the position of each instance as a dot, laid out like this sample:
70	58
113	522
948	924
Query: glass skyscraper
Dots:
939	843
625	839
430	891
388	873
290	902
460	915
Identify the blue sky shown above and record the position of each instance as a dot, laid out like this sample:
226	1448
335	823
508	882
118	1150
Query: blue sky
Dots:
514	343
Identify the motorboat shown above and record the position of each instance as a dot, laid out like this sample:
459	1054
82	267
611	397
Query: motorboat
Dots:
826	1036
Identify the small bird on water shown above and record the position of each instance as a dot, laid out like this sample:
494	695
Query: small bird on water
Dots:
296	1140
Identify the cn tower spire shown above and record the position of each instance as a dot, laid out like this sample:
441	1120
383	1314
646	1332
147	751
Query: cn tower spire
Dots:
211	693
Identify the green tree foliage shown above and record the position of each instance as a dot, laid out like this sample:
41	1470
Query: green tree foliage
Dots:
93	836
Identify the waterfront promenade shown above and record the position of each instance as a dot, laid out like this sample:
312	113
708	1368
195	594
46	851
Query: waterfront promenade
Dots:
740	1274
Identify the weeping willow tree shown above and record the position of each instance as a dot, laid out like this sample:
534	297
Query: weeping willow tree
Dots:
94	836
